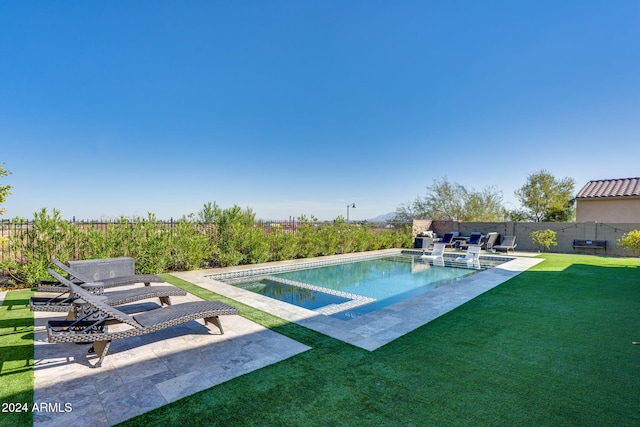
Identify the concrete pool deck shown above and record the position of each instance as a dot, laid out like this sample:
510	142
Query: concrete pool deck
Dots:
377	328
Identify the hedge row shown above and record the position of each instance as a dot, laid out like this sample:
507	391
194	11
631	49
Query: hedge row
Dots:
214	237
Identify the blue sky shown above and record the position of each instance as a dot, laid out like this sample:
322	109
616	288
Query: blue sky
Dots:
111	108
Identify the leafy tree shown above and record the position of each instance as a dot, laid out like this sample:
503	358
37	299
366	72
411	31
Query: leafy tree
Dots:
452	201
4	189
484	205
517	215
545	198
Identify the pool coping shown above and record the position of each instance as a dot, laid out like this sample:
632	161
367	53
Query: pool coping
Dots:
375	329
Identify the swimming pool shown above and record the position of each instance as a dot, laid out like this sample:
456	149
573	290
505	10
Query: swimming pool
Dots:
348	290
375	329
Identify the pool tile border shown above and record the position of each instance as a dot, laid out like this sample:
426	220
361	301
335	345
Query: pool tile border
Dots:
289	267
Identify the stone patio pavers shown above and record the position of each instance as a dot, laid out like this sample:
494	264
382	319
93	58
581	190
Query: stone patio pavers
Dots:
143	373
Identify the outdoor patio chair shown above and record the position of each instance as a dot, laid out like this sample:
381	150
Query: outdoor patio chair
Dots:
475	239
448	240
489	240
110	282
436	253
60	303
509	242
438	262
472	257
93	327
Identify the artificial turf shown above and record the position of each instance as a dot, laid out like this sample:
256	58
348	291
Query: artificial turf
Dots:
16	359
552	346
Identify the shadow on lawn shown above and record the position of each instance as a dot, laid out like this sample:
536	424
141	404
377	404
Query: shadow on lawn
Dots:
15	304
16	358
14	325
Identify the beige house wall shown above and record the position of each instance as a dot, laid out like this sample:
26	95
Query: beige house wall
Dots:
608	210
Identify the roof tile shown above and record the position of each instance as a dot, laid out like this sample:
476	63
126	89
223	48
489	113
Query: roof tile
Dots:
625	187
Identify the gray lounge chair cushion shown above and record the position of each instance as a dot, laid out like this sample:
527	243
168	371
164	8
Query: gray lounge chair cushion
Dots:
194	310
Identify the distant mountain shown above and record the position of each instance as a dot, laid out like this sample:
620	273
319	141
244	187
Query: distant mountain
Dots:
383	218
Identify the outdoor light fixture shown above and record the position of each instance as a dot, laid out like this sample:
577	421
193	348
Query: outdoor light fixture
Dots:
352	205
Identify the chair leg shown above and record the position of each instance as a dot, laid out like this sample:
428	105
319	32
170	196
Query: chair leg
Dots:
165	301
101	348
216	321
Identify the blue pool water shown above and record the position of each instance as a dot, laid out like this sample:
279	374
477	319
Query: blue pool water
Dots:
350	290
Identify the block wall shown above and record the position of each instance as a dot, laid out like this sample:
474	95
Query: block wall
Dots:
566	233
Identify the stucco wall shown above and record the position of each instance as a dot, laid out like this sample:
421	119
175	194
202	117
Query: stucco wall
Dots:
608	210
420	225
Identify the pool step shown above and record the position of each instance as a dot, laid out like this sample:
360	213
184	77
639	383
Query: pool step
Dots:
330	309
355	300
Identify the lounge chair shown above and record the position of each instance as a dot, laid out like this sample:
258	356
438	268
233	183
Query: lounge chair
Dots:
509	242
436	253
62	303
110	282
438	262
95	330
447	239
489	240
472	257
475	239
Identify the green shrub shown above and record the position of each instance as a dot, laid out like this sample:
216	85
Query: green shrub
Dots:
216	237
238	240
631	240
306	236
188	245
48	238
282	243
544	239
152	249
329	239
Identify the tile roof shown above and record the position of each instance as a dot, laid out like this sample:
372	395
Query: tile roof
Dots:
625	187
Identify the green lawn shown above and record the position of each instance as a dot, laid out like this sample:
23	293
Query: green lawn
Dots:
549	347
16	359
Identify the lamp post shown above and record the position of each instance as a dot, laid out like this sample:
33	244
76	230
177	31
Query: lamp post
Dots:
351	205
